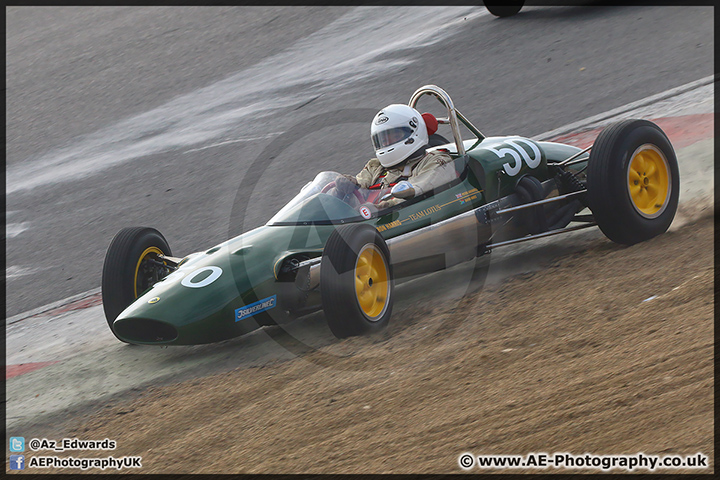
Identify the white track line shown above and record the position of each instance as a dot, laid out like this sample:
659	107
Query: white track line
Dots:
52	306
615	112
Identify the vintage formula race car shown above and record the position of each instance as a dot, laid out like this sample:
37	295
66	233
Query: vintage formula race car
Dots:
342	254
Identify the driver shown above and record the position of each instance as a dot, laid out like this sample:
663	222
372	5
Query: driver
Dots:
400	138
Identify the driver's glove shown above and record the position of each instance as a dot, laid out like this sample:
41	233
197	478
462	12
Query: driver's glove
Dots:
388	203
346	184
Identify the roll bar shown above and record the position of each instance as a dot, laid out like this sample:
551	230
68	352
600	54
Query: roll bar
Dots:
453	114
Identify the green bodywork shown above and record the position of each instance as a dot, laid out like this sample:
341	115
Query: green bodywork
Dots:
250	263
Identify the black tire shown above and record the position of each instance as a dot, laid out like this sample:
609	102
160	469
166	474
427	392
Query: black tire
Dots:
341	265
126	257
622	200
530	190
435	140
502	9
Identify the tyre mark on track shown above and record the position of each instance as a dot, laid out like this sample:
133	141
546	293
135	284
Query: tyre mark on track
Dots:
15	370
329	59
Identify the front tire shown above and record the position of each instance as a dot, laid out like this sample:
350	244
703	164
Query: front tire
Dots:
356	281
633	181
130	268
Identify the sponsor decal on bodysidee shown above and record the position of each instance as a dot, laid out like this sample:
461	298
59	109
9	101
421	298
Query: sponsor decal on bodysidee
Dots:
255	308
393	224
423	213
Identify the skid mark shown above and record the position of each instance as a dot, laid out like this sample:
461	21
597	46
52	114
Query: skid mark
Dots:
15	370
361	44
12	230
88	302
15	271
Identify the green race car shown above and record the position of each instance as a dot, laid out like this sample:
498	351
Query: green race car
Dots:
342	254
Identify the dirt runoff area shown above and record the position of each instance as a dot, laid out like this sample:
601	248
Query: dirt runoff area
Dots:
604	351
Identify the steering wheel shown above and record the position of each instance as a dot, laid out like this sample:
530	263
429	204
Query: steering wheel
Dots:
327	187
332	184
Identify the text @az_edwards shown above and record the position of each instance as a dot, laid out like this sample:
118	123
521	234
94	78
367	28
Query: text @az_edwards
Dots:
66	444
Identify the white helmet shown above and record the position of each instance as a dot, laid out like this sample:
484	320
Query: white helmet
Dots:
397	131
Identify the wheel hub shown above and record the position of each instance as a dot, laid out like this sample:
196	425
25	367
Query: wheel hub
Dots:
649	181
147	274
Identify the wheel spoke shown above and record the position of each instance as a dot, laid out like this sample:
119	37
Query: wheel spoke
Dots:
653	191
650	169
363	271
365	297
359	284
634	175
372	262
635	190
638	163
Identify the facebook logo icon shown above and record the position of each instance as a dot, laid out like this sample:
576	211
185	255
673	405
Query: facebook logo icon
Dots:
17	462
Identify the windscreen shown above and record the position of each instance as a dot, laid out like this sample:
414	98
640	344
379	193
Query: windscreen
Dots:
322	202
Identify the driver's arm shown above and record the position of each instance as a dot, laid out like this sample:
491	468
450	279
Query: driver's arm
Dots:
435	170
370	171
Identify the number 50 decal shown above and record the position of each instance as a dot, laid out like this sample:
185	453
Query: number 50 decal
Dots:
519	154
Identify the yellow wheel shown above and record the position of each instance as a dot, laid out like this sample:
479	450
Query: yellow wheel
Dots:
356	280
371	282
145	269
649	181
633	181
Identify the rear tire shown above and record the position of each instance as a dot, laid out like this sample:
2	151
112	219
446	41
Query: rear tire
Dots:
633	181
530	190
127	271
502	9
356	281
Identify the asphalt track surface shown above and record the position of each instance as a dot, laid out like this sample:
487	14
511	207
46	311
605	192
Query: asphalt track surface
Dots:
120	116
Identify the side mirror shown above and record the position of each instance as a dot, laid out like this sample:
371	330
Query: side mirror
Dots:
403	189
